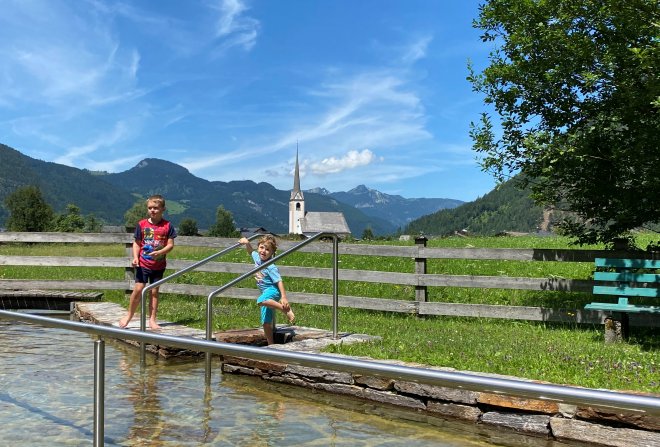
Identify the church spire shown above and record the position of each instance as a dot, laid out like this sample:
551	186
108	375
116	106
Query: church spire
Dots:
296	193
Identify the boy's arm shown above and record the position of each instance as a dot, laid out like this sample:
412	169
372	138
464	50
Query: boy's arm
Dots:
136	254
166	249
246	242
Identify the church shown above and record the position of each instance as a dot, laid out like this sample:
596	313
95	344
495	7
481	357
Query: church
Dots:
308	222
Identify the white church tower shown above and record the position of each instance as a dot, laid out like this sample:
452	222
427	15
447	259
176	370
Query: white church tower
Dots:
296	203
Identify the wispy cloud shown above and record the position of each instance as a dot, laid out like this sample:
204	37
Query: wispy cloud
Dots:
103	141
68	59
416	51
378	109
234	28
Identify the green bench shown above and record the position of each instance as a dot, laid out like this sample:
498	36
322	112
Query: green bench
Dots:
624	278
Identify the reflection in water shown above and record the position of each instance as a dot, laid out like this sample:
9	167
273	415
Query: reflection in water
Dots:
143	394
46	398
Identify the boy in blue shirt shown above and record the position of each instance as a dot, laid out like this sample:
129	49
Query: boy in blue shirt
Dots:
269	281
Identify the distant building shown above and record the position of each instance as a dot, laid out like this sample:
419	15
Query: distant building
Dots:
302	222
296	203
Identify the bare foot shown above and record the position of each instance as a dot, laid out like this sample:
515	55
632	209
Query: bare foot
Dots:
153	324
124	322
291	316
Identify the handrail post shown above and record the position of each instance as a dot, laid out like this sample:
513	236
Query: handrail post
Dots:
335	286
99	391
143	325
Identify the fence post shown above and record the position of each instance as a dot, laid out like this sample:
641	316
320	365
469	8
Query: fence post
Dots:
421	292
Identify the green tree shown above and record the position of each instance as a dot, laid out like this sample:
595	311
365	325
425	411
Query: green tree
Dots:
92	224
224	224
368	234
188	227
70	222
575	85
135	214
28	211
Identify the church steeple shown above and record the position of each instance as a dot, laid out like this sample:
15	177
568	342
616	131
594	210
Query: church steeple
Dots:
296	193
296	202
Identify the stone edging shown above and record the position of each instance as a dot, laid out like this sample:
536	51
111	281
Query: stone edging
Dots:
533	417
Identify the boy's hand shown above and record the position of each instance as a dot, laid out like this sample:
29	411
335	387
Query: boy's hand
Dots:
243	241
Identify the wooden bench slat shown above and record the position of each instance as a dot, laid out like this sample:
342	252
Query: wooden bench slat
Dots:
627	277
628	263
615	307
624	290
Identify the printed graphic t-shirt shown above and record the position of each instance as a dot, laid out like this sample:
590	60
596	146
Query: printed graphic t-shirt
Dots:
152	237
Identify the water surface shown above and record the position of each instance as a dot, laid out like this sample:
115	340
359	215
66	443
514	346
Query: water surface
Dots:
46	398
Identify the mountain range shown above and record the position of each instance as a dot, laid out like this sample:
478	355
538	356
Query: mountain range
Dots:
109	195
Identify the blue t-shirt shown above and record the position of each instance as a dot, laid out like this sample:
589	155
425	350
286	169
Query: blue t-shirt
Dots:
266	277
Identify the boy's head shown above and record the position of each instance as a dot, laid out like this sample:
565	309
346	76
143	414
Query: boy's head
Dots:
269	241
158	200
155	208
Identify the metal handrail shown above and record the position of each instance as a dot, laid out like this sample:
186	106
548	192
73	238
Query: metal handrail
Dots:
143	302
452	379
309	240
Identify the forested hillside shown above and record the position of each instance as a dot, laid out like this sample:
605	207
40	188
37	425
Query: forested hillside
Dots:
61	185
109	195
506	208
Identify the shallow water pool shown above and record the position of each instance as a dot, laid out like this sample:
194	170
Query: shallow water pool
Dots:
46	398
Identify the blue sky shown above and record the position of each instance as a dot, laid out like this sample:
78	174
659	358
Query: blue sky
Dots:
372	92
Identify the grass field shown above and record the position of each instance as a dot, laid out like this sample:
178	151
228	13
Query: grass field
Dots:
563	354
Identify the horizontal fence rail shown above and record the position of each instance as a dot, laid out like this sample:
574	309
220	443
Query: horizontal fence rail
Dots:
418	255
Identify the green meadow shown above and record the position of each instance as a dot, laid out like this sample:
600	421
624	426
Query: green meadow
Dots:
559	353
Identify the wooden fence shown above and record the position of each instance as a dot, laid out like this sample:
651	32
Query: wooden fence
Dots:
418	254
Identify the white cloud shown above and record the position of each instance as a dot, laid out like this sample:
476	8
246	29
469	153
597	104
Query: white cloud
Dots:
351	160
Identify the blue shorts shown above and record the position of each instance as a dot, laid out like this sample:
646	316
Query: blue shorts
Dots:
145	275
271	293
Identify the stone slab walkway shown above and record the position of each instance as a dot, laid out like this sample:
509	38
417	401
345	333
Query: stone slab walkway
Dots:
294	338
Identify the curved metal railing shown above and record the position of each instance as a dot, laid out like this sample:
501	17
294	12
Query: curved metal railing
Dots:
475	382
309	240
148	287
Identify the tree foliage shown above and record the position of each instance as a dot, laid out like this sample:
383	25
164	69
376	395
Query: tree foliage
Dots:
135	214
70	222
28	211
188	227
224	224
575	85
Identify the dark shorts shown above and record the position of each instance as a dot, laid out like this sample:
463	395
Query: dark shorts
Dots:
145	275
